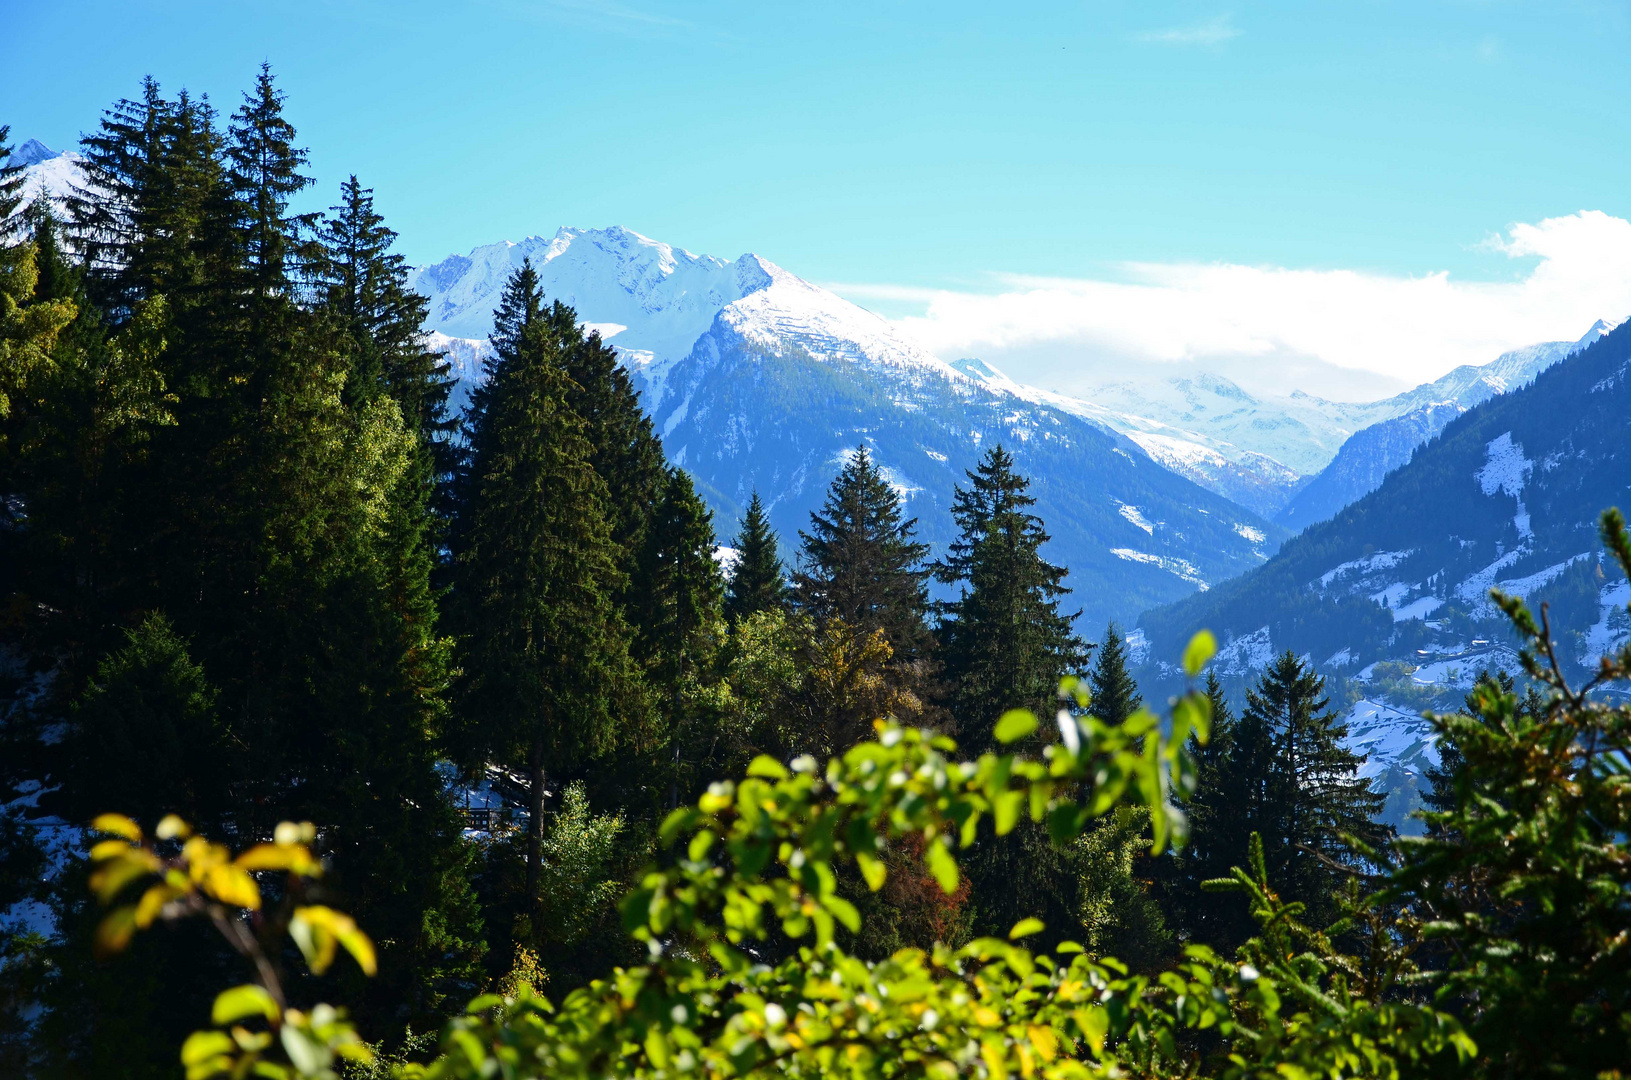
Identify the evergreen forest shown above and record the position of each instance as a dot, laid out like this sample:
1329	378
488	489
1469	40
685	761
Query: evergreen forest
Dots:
315	689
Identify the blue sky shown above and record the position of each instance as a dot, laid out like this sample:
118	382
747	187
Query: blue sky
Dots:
912	150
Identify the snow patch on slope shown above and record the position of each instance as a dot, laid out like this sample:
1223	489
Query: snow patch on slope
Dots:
1136	517
1182	568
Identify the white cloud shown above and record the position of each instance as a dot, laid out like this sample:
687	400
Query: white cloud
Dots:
1342	333
1213	32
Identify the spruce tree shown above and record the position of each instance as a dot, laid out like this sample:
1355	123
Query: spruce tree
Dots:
624	448
758	580
1217	836
11	187
861	564
264	173
680	623
1115	694
1004	643
366	289
545	650
1308	792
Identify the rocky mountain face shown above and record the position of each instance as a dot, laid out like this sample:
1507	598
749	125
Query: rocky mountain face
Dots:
758	380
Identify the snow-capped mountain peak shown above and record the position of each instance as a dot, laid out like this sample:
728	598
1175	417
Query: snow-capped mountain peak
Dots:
33	152
658	301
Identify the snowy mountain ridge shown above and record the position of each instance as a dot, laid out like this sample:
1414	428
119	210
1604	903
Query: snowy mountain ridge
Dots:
654	302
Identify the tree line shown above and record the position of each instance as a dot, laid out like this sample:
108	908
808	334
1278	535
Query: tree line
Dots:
255	568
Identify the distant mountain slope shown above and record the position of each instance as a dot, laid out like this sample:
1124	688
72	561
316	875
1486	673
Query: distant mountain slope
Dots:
1508	494
1264	452
48	172
1256	481
1364	461
758	379
1416	416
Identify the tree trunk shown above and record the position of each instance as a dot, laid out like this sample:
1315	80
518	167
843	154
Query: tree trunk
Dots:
535	826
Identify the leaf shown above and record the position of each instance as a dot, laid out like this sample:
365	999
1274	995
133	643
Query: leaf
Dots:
204	1044
844	912
1095	1025
1065	822
1015	724
114	932
242	1002
942	866
1202	647
110	880
172	828
290	832
109	849
1005	809
309	1057
317	929
1025	928
118	825
872	869
361	948
656	1048
295	858
675	823
233	886
767	767
152	903
1192	713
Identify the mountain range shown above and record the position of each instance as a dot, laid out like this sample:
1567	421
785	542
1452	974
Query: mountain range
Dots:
1506	495
759	380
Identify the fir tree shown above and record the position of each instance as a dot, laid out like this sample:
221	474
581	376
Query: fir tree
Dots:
758	580
545	649
1115	694
1004	643
860	563
366	286
147	735
680	621
1217	835
624	448
11	187
264	174
1302	789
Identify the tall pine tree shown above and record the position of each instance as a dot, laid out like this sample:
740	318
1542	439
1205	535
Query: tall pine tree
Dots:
758	580
861	564
1115	694
1293	782
1218	833
680	619
1004	643
548	676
